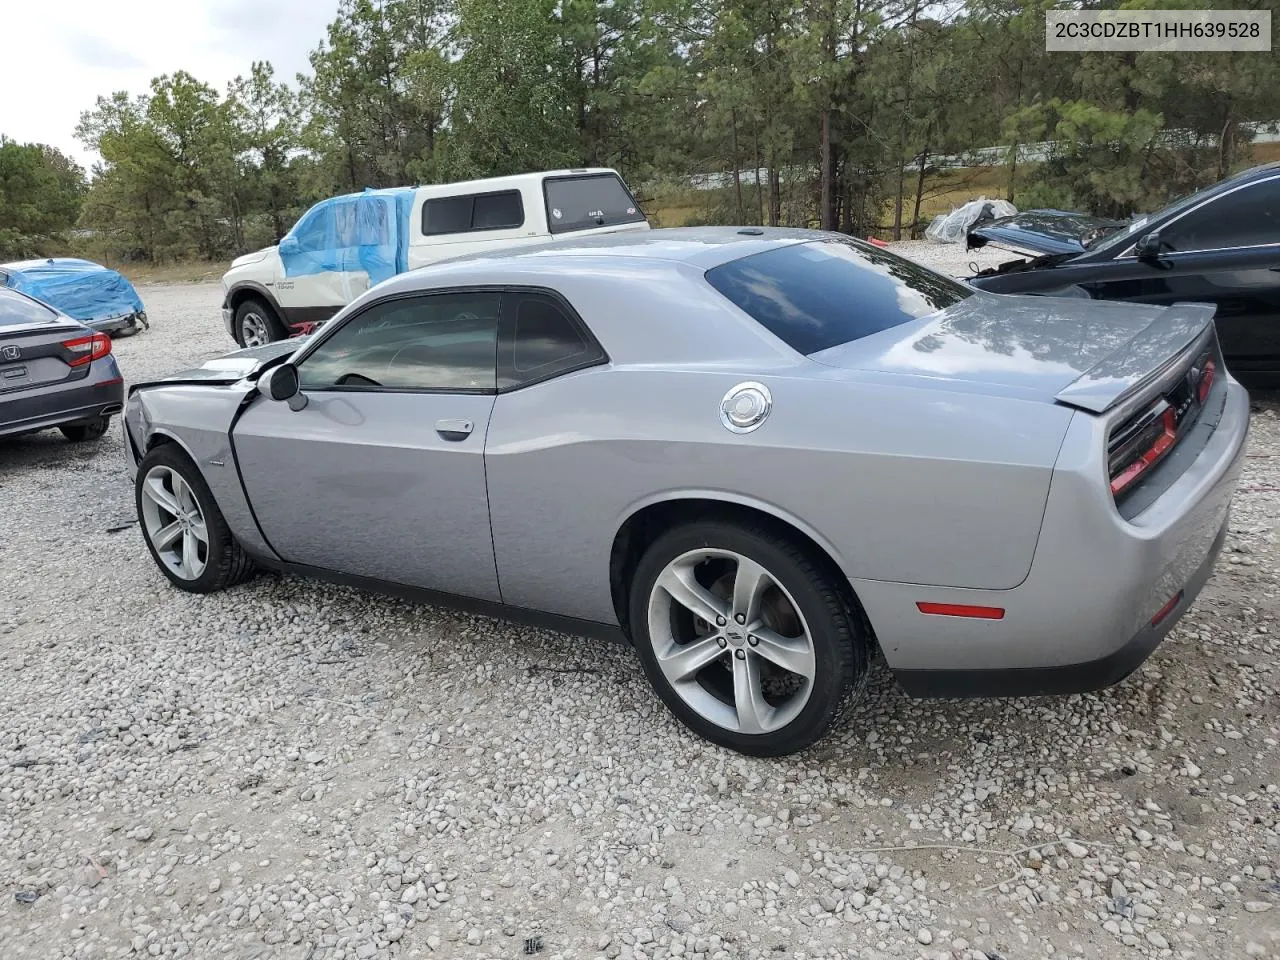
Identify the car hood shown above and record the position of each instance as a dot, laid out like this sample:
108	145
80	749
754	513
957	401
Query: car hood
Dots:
231	367
1083	353
1042	232
256	257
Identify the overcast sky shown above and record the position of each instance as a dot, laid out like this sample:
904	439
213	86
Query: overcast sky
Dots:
61	54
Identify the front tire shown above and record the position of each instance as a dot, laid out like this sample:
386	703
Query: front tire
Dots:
747	635
257	324
87	430
188	538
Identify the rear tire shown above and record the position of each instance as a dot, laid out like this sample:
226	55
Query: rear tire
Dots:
93	429
257	324
188	538
771	683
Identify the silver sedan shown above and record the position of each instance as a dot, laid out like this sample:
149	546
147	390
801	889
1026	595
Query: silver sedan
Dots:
759	456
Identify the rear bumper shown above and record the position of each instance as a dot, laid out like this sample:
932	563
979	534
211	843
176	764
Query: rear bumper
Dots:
1064	678
100	393
1083	618
126	324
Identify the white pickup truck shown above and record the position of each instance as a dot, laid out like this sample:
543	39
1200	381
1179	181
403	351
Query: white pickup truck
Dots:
342	246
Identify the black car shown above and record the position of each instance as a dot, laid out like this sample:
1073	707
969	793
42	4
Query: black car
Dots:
1220	246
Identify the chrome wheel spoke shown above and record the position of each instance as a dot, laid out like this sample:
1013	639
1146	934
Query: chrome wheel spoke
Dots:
678	581
191	564
793	654
183	494
164	537
749	584
165	500
748	696
683	662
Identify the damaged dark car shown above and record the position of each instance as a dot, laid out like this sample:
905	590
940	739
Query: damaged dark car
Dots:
1220	246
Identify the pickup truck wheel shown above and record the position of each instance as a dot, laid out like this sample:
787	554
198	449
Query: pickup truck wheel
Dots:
184	529
257	324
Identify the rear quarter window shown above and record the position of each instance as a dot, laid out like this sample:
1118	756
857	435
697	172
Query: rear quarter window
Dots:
823	293
584	203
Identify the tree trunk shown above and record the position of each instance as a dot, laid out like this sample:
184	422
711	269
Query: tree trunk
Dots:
1226	145
924	160
897	200
775	195
737	173
1013	170
756	176
827	210
902	127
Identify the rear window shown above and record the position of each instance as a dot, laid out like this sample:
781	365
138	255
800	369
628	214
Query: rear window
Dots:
824	293
16	310
583	203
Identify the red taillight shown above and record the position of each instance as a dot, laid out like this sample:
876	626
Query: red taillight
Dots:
1168	435
1206	380
1166	609
87	349
961	610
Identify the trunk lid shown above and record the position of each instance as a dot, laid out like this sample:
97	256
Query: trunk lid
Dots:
1042	232
31	344
1148	358
1084	353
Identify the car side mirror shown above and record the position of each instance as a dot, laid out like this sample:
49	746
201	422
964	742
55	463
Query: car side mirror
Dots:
1148	246
289	245
281	383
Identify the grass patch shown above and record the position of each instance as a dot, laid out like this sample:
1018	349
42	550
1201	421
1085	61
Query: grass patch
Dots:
195	271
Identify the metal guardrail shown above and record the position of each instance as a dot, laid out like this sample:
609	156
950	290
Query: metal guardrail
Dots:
979	157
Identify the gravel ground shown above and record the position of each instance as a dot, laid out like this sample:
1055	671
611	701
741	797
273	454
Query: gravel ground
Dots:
301	771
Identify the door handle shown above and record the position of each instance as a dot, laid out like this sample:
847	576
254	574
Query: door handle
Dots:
454	429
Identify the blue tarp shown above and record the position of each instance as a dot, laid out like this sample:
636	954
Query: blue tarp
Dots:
359	231
81	289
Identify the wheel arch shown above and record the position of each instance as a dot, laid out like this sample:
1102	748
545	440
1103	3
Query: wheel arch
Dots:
237	296
160	436
649	519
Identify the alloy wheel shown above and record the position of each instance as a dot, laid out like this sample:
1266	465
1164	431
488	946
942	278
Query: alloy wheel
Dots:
254	329
174	523
731	641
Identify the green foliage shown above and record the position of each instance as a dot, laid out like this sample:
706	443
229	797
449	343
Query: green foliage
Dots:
844	106
41	191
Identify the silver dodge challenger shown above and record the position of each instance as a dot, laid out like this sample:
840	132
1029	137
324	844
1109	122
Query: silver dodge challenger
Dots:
757	455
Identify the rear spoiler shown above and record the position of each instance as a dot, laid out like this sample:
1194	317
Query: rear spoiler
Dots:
1155	354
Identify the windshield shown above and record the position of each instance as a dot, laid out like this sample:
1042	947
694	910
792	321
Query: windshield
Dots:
823	293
